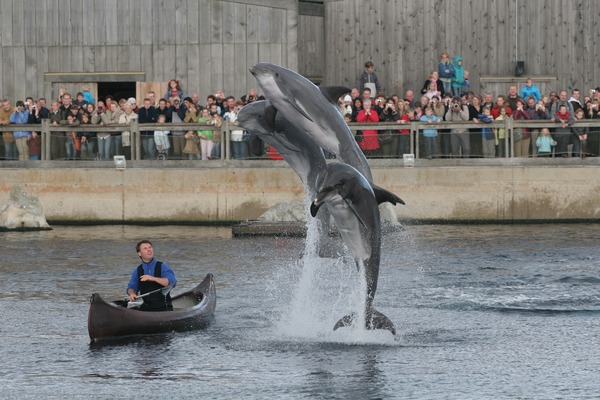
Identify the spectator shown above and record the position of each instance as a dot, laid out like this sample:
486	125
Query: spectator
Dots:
112	117
239	146
366	94
521	136
460	143
475	110
369	142
446	72
230	106
104	138
432	90
501	102
125	119
501	132
210	100
513	97
580	135
388	139
161	138
563	133
195	98
438	85
488	139
21	116
86	139
354	93
178	111
544	143
530	89
459	76
575	100
369	79
174	90
133	103
430	135
152	97
66	103
10	148
206	135
71	138
487	101
34	145
148	115
561	100
404	137
87	96
251	96
162	109
357	106
409	96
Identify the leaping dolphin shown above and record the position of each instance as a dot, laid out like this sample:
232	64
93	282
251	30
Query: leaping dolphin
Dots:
351	201
306	107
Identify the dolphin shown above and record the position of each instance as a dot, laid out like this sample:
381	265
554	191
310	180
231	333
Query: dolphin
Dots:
305	106
303	155
350	199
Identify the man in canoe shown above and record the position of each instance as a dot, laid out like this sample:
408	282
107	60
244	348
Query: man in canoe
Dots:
151	276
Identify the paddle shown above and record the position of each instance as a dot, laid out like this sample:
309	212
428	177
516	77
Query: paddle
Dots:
140	299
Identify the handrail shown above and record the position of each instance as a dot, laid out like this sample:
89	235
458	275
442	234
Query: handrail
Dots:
415	127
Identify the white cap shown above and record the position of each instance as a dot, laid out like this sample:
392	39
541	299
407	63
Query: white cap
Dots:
347	98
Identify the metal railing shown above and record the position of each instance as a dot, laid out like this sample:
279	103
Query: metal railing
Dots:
415	127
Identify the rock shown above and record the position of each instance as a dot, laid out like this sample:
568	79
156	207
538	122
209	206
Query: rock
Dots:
22	211
285	212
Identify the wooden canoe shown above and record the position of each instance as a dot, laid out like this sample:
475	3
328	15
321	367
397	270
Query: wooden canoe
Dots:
193	309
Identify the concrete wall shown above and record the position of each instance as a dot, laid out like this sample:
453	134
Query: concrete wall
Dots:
225	191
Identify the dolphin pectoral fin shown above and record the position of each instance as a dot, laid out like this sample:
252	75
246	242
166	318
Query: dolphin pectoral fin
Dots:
270	114
333	93
377	320
348	320
383	195
298	108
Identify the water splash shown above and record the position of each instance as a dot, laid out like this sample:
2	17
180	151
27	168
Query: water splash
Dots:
326	290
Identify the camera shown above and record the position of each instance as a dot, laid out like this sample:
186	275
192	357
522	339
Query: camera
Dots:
27	104
176	102
456	106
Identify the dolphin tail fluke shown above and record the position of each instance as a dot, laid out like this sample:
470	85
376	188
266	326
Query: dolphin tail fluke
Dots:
374	320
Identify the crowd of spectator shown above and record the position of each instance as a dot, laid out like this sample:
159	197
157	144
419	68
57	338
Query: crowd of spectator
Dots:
446	95
170	142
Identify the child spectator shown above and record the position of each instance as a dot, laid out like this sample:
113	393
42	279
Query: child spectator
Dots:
580	135
530	90
521	136
369	79
34	144
87	96
430	135
161	140
544	143
501	132
446	72
174	90
488	139
459	76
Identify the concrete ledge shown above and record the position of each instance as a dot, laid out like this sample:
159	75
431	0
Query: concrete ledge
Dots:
223	192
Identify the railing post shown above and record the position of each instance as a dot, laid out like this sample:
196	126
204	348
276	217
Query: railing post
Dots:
510	148
135	140
414	138
225	143
45	133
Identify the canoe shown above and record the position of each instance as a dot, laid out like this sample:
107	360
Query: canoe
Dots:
193	309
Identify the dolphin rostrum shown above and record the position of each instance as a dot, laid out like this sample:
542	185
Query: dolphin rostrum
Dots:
305	106
351	201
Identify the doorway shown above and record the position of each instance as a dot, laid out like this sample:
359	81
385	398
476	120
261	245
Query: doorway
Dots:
118	90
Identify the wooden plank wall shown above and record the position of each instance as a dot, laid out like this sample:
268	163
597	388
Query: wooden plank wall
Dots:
206	44
405	38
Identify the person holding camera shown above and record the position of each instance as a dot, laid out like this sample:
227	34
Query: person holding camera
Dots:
177	112
459	137
388	139
21	116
